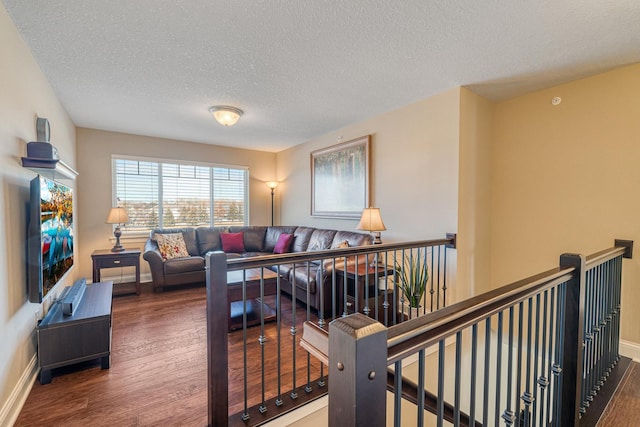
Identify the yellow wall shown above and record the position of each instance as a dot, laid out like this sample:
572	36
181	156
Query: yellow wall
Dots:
565	178
25	94
95	150
474	194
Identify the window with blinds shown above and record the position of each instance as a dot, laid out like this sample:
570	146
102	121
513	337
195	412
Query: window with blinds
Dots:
173	195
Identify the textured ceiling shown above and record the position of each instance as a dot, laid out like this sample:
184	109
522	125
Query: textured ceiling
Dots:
302	68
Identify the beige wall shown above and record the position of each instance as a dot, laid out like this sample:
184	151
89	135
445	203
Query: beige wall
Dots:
474	193
24	95
95	150
414	171
565	178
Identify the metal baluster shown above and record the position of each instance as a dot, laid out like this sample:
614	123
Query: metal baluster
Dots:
527	397
397	395
498	369
421	388
552	327
508	415
440	383
597	343
432	289
543	381
487	366
474	362
279	401
589	313
456	400
345	311
262	339
536	359
444	276
557	368
438	275
519	365
245	413
293	332
308	387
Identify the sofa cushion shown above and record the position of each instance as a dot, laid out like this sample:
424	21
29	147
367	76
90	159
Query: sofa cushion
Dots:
172	246
183	265
253	237
209	239
188	234
284	244
273	233
302	235
232	242
304	276
353	239
321	240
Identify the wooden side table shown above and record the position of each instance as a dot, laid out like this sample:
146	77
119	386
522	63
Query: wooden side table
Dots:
360	296
104	258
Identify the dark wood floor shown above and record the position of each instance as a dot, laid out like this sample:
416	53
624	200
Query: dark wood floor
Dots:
158	367
624	408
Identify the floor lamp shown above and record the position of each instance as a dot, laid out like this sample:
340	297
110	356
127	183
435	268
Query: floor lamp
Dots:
272	185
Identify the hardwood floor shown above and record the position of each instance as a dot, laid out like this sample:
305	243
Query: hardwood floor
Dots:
158	367
624	408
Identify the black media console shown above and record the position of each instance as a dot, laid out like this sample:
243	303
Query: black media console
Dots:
86	334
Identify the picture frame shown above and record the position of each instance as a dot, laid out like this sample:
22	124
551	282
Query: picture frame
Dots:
340	179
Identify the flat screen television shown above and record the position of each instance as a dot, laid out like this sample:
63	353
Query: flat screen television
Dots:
50	236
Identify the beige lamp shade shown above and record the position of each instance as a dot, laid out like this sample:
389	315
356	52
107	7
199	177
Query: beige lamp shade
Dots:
117	216
371	220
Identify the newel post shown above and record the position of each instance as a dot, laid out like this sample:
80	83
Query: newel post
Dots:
357	372
572	343
217	343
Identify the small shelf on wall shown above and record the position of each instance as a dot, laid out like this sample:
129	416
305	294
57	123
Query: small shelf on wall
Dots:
54	169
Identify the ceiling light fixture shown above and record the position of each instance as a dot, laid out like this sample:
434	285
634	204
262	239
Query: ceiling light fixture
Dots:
225	115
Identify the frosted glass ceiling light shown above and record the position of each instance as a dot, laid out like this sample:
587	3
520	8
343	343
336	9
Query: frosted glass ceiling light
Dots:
225	115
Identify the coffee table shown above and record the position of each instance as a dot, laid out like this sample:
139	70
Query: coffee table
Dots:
252	278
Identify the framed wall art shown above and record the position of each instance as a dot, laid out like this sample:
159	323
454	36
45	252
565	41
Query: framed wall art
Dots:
340	179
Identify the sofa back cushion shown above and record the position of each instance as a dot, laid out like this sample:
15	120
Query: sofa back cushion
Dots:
353	238
209	239
253	237
302	235
321	240
188	234
273	234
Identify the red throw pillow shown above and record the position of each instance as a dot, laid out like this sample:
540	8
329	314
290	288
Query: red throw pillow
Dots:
284	244
232	242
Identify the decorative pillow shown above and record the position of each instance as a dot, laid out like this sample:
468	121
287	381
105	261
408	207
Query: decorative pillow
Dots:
172	246
284	244
232	242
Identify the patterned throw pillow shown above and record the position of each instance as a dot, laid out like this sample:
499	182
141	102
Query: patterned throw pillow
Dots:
172	246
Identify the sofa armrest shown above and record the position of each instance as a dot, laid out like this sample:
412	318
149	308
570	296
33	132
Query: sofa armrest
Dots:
156	264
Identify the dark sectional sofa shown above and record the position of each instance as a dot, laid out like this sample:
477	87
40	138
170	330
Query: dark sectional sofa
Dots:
258	240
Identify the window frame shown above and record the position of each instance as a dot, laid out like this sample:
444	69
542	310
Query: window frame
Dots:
160	161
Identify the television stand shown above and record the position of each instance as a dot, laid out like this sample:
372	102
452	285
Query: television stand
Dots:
65	340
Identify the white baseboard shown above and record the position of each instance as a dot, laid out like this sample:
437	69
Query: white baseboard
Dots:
12	407
630	349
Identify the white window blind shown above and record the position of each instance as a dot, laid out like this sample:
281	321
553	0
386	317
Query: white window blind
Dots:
173	195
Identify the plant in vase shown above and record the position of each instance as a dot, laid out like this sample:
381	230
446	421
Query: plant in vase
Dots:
413	277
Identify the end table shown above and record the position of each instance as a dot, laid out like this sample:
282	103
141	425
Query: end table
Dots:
104	258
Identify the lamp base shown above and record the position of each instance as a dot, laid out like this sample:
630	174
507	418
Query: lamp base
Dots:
117	247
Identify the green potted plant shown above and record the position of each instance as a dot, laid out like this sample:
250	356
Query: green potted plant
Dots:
413	277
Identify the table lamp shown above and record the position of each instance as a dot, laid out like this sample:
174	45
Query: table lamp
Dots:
371	221
117	216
